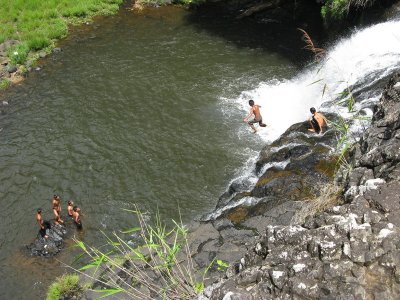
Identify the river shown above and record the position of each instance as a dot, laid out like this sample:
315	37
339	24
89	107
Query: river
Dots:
134	110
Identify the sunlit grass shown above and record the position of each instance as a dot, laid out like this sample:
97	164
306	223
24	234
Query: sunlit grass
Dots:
64	285
37	23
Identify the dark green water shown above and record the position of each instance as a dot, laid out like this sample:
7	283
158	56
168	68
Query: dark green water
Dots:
136	109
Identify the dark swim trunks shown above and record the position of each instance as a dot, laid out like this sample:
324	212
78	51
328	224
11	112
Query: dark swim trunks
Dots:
46	225
315	125
259	121
78	225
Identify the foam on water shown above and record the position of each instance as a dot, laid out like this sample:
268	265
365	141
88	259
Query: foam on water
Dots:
365	57
360	60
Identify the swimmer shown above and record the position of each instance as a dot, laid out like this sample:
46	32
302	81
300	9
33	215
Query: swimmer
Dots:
57	209
318	121
254	111
77	218
70	208
43	224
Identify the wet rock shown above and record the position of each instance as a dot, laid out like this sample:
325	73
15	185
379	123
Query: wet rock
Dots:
11	69
57	50
349	251
50	246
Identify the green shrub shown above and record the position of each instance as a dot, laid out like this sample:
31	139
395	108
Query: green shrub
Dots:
38	42
18	54
338	9
4	83
160	266
64	285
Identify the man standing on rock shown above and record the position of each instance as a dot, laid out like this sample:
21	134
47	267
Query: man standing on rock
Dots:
43	224
254	111
318	121
57	209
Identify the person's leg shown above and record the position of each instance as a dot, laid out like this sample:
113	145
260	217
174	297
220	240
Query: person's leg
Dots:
261	123
55	215
315	126
251	123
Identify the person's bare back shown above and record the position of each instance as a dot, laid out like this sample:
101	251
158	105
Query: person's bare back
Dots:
318	121
254	111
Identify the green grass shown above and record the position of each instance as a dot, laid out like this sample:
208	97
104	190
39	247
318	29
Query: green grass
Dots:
36	24
160	266
64	285
4	83
338	9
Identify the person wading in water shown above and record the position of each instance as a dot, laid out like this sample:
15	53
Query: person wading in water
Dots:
77	217
318	121
57	209
70	208
254	110
43	224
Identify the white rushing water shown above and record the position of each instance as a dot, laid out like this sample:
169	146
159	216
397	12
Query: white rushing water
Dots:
362	59
365	57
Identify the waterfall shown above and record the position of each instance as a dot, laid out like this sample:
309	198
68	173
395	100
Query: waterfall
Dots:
357	62
367	56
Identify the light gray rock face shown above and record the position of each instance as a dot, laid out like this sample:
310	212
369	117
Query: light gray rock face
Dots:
377	155
350	256
350	251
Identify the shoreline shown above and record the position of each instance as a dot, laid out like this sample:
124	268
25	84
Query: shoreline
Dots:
20	52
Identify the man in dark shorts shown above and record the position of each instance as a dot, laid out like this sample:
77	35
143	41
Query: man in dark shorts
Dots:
56	206
43	224
77	218
254	111
318	121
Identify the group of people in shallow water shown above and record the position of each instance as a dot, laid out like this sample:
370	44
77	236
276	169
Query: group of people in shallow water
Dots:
318	122
72	210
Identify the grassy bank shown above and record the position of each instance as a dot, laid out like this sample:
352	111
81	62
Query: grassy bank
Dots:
35	25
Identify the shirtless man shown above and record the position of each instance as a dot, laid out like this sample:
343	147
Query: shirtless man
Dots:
318	121
77	218
43	224
70	208
254	111
57	209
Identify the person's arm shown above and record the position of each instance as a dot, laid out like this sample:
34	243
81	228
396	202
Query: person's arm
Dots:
249	115
320	121
40	223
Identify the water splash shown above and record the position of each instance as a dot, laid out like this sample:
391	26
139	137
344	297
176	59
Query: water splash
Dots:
359	61
362	59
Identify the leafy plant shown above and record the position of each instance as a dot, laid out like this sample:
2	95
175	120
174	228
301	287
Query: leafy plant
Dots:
160	266
318	52
222	266
338	9
64	285
18	54
346	97
4	83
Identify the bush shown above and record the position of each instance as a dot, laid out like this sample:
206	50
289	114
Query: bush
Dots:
4	83
64	285
38	42
338	9
18	54
159	265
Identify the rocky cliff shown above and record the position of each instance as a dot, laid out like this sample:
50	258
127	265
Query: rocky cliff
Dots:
349	251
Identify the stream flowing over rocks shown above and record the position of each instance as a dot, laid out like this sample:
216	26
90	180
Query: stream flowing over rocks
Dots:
349	251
